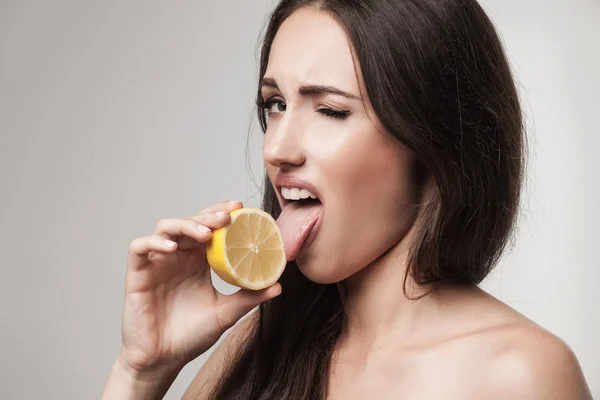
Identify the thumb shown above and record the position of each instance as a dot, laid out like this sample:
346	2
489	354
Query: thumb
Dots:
236	305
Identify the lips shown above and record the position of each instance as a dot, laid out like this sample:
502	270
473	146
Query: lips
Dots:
291	181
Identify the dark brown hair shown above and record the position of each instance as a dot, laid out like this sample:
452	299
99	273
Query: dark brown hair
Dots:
438	79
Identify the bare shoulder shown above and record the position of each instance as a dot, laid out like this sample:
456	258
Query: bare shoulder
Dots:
207	378
525	361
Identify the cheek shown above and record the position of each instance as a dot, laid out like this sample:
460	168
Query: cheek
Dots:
371	175
371	198
271	173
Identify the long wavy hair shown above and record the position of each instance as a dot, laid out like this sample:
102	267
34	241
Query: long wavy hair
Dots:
439	81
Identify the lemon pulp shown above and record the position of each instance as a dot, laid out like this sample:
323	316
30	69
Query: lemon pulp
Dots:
248	252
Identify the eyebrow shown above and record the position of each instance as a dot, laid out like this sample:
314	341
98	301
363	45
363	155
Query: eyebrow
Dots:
310	89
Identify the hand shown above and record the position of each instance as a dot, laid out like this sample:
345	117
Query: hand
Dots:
172	313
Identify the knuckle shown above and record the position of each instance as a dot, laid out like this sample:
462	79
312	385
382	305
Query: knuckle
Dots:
164	224
190	222
207	209
161	223
135	245
200	218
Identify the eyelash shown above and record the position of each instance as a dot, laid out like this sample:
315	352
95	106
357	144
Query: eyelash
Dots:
329	112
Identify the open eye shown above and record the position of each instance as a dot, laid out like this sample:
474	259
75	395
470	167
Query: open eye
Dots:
273	106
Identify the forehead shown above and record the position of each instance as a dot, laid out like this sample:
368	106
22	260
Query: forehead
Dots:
312	47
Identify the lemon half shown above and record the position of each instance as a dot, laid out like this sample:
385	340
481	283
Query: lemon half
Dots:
248	252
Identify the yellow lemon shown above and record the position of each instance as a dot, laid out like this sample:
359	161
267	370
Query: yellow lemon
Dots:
248	252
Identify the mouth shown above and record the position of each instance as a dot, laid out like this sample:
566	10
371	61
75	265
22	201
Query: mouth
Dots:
301	216
313	231
301	203
302	195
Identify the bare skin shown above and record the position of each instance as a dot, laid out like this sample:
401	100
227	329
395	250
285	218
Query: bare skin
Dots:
172	313
455	343
471	346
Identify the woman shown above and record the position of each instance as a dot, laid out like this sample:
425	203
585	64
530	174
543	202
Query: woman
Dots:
402	117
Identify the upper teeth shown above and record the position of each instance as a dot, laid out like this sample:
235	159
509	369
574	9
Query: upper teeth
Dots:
296	194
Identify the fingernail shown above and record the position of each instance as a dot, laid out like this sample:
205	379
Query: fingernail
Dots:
203	229
169	243
234	202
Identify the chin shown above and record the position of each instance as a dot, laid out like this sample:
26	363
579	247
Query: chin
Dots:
320	272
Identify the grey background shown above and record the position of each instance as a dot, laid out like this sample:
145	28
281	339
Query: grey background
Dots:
114	114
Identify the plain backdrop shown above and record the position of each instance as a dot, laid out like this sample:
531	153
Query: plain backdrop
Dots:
114	114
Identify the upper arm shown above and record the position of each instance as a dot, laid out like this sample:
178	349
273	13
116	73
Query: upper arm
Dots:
206	379
535	365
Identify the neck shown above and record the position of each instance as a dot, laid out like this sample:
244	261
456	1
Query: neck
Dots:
377	307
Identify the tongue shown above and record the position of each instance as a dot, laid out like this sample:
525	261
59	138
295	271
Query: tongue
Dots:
295	222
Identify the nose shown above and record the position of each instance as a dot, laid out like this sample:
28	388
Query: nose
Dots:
282	146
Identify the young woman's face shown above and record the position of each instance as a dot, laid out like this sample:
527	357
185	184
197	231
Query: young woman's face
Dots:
334	142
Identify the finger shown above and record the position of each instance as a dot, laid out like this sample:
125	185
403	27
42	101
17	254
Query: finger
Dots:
139	248
236	305
211	220
205	222
174	228
227	206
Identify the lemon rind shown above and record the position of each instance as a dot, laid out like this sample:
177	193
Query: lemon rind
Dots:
231	276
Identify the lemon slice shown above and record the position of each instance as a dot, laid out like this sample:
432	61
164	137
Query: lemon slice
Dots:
248	252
